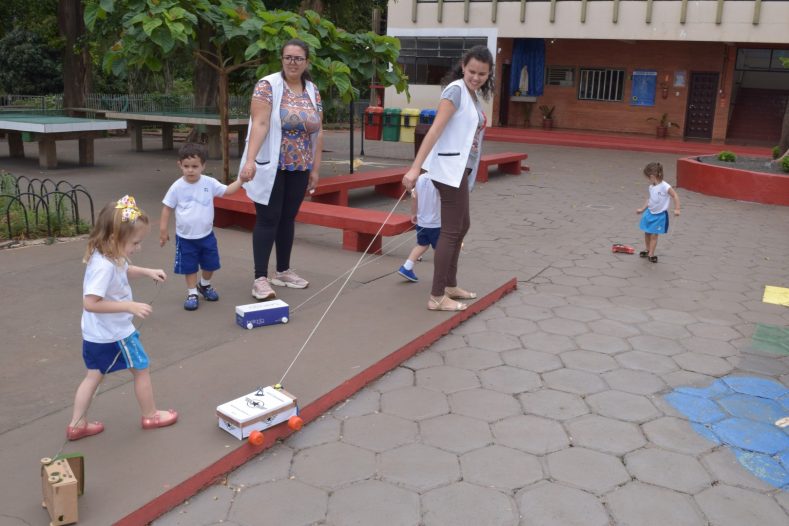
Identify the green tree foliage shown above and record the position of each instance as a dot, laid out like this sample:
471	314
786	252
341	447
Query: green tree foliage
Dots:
28	66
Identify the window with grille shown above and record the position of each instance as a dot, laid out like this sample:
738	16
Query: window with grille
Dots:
601	84
427	59
560	76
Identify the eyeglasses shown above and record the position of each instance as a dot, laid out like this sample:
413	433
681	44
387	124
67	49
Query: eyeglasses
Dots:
290	59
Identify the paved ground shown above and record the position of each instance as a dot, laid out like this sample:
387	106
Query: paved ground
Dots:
547	408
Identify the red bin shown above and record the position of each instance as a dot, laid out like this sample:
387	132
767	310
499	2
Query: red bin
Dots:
373	126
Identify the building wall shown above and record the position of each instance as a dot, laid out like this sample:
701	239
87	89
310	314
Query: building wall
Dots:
736	20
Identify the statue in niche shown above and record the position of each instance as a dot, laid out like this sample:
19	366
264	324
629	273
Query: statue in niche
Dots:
523	86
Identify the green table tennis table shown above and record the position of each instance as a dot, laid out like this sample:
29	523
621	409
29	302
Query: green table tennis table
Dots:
47	129
167	120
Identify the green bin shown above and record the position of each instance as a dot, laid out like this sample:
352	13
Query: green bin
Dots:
392	124
409	118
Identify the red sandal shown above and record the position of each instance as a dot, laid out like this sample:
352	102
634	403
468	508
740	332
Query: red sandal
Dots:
157	420
89	429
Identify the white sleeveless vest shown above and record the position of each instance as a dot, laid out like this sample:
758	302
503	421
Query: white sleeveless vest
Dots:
267	159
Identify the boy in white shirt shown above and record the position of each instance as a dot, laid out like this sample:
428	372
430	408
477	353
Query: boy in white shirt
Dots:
192	198
426	215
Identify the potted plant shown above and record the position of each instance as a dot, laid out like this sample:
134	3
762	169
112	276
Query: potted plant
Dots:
547	116
663	124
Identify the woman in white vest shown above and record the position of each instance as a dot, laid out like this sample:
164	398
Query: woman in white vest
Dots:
281	159
450	155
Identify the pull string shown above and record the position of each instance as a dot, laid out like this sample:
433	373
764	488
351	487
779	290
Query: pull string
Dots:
109	368
371	260
347	279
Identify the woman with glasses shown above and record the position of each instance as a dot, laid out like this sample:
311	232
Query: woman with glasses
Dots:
281	159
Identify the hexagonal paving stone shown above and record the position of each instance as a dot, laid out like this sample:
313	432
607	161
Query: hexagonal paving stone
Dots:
500	467
484	404
751	435
728	506
623	406
636	382
613	328
324	429
602	343
364	402
605	434
672	316
645	361
668	469
623	314
713	332
550	343
446	379
273	464
394	379
424	359
703	364
414	403
586	469
379	432
709	346
511	380
464	503
544	300
529	312
724	467
571	312
333	465
672	331
655	345
211	506
455	433
531	434
563	327
551	504
645	505
510	325
493	341
536	361
553	404
676	435
594	362
282	502
572	381
473	359
419	467
369	501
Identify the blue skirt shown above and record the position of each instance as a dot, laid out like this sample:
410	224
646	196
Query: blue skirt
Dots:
654	223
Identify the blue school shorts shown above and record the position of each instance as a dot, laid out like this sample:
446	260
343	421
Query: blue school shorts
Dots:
654	223
427	236
192	255
127	353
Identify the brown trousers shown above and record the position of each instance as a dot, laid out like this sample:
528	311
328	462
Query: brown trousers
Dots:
455	222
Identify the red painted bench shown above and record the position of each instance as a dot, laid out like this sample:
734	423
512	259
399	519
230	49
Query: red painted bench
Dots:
358	225
509	163
334	190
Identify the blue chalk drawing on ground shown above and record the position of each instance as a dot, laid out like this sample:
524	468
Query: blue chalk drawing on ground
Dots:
740	413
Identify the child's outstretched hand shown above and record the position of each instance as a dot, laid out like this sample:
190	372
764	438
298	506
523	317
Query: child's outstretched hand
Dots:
141	310
157	274
676	211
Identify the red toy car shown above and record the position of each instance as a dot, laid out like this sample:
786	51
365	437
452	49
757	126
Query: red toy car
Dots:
624	249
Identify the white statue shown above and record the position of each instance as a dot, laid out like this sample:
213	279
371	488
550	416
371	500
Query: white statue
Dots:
523	87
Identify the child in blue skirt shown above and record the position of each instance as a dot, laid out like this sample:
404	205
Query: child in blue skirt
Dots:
654	213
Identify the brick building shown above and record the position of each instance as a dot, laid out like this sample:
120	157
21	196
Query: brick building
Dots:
712	66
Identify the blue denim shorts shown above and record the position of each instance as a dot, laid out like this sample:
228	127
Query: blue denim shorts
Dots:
127	353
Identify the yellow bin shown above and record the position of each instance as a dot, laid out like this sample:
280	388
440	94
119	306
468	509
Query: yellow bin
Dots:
409	118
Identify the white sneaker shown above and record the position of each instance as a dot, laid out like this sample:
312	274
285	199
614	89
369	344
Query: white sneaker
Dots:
289	279
262	290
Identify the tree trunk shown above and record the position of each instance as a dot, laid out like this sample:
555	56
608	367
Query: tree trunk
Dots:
205	79
76	58
223	134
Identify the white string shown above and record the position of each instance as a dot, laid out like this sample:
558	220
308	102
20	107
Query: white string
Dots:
328	308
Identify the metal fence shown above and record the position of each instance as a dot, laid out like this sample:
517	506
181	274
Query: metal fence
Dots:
35	208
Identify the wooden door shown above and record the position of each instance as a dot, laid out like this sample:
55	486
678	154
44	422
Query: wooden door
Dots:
700	114
504	97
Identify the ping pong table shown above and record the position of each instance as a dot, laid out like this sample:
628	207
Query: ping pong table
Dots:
167	120
46	129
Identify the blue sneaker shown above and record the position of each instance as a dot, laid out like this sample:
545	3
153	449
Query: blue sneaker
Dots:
191	302
208	292
407	274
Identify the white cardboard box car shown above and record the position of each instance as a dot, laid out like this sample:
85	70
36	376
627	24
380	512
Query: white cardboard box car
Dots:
262	313
256	411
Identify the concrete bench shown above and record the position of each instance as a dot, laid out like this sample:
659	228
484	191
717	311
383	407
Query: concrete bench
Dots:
358	225
334	190
508	163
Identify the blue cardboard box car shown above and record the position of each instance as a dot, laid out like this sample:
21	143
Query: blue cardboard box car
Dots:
263	313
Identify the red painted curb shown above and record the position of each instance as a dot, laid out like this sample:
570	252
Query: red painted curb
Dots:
732	183
210	474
